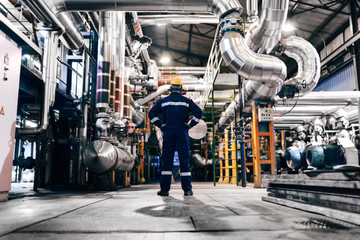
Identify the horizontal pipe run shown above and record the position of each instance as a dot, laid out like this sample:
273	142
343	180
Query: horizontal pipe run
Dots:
177	19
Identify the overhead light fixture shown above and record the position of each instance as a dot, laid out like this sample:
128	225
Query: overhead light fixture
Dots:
165	60
288	27
161	24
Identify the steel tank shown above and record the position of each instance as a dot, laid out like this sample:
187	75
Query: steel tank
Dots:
102	156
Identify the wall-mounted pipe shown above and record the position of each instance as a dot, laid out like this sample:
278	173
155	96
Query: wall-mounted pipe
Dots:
308	60
266	33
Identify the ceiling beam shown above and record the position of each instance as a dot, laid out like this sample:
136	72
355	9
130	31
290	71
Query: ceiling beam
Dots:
318	6
179	51
189	43
327	21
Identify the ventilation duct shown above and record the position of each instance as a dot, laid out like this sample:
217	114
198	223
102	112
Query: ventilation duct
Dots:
266	33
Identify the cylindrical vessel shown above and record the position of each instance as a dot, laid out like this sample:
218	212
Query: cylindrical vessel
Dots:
100	156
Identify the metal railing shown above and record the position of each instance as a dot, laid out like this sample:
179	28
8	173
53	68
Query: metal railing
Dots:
212	69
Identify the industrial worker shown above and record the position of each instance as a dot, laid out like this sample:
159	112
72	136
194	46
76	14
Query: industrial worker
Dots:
175	110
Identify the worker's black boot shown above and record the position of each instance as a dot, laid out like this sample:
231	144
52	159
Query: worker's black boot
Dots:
163	193
188	193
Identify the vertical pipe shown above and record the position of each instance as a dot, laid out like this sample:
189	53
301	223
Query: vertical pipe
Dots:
242	147
233	154
127	96
85	105
213	135
103	75
120	53
113	65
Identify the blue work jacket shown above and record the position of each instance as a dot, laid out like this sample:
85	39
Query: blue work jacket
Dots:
175	110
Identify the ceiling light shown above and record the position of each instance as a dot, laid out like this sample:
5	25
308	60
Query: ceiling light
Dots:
288	27
164	60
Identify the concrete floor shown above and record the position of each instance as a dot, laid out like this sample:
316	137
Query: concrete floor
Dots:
221	212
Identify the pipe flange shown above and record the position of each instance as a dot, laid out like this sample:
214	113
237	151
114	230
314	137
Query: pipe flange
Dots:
232	24
102	115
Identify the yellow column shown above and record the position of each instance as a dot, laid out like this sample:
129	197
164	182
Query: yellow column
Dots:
221	154
227	170
233	155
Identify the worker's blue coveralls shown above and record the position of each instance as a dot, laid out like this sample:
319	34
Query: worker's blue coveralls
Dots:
175	110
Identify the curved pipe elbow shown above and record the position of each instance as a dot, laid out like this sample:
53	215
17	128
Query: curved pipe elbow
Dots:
268	70
308	60
266	33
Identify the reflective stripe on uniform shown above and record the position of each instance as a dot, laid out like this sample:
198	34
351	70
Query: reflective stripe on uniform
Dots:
175	104
185	174
196	119
166	172
154	119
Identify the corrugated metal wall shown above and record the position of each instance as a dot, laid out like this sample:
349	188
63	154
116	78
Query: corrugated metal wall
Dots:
342	80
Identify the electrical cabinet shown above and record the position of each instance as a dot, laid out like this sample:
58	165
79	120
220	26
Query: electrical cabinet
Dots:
10	62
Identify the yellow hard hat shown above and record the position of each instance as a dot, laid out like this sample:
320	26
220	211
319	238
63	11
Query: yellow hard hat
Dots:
176	81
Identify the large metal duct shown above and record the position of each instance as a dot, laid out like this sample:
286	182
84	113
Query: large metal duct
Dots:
308	60
266	33
103	76
267	73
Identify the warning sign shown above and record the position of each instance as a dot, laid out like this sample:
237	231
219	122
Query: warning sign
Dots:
2	111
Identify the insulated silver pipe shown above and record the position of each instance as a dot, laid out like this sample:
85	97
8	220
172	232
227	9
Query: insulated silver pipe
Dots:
177	19
228	115
49	78
324	98
136	116
71	37
252	10
269	72
265	34
308	61
94	18
219	7
139	32
43	13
